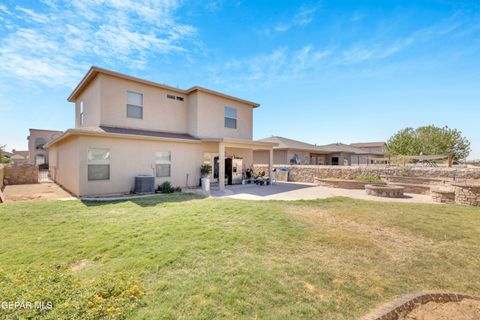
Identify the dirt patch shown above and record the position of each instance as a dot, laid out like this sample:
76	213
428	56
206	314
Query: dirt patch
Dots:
38	191
79	265
396	244
464	310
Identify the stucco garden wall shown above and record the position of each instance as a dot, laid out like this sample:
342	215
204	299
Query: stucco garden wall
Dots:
307	173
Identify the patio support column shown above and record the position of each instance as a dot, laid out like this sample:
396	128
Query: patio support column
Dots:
270	165
221	166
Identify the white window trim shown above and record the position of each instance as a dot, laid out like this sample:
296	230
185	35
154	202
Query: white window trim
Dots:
134	105
82	113
225	117
169	162
109	164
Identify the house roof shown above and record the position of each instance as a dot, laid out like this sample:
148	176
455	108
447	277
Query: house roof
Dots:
128	133
341	147
368	144
20	154
94	71
148	133
46	130
285	143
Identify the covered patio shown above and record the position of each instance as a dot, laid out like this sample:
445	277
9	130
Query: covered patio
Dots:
235	149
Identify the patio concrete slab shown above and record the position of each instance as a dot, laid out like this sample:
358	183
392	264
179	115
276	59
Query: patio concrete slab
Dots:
305	191
38	191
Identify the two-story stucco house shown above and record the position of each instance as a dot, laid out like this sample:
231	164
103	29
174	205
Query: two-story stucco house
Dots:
126	126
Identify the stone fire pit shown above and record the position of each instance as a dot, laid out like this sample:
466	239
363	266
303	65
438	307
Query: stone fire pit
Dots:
387	191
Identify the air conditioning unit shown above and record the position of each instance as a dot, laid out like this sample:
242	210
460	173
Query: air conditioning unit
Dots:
144	184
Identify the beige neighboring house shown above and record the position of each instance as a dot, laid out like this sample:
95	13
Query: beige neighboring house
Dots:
126	126
291	151
37	139
377	151
20	156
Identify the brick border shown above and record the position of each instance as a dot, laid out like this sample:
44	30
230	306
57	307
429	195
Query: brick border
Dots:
405	304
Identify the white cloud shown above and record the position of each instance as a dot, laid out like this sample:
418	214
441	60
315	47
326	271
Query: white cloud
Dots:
281	64
84	32
303	17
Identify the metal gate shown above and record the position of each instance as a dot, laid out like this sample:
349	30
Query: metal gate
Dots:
43	175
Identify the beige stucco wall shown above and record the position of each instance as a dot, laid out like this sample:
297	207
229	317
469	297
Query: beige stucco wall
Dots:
159	112
91	105
64	164
246	154
33	136
262	157
210	121
303	156
129	158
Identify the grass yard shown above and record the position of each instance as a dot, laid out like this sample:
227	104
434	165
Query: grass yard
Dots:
183	257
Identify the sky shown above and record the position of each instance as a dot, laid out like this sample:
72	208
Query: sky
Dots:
323	71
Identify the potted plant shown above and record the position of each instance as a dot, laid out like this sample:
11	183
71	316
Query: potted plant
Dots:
205	170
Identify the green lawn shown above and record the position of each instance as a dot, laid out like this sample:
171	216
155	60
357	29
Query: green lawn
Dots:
183	257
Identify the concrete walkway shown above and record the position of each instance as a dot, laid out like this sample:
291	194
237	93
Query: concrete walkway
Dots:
305	191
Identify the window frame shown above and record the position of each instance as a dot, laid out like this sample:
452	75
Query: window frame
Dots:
129	105
225	117
159	161
81	113
89	164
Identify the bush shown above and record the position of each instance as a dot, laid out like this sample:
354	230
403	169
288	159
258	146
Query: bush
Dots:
205	169
368	178
167	187
64	296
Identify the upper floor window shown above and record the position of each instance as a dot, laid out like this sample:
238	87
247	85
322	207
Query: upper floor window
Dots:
39	143
82	113
230	118
134	105
98	164
179	98
170	96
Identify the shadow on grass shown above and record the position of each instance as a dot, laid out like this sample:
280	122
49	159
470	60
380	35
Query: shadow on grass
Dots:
147	201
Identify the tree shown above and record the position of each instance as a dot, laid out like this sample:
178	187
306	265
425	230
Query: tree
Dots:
429	140
3	159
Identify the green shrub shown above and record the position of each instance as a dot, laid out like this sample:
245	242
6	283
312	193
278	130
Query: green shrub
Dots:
167	187
368	178
205	169
64	296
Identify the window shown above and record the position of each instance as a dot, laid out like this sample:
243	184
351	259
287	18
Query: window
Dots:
82	113
39	159
170	96
134	105
39	143
163	164
179	98
230	118
98	164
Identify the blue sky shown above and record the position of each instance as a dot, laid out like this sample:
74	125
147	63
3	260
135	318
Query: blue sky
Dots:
323	71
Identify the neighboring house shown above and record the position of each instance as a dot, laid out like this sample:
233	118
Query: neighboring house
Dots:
377	151
291	151
343	154
126	126
37	139
20	156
